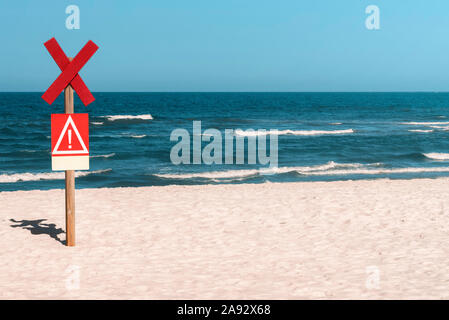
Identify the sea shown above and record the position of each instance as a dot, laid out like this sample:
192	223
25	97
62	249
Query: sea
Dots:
321	137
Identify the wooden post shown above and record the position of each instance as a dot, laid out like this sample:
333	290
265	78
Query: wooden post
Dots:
69	179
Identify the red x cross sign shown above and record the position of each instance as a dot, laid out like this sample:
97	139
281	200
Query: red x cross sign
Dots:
69	74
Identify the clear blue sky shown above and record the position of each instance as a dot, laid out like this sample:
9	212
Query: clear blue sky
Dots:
231	45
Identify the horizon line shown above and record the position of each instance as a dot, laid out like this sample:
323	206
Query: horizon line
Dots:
404	91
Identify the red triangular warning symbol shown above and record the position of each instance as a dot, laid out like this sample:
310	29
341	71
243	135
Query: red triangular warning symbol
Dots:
70	140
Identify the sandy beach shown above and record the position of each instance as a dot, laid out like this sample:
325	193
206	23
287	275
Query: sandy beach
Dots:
314	240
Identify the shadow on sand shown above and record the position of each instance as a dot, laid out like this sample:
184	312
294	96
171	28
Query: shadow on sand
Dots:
37	227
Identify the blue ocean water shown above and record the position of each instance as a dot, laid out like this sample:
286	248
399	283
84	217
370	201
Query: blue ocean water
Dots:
321	137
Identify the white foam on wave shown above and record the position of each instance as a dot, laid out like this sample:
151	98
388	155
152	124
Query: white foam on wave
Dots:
240	132
420	130
444	128
328	169
440	125
263	171
363	171
103	155
426	123
130	117
437	156
97	123
135	136
27	176
211	175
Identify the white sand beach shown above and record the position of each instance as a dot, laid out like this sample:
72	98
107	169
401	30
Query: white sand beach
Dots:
368	239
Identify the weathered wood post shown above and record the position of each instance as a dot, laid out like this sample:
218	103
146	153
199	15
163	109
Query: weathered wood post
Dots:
69	179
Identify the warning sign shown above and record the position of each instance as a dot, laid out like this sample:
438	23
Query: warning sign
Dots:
70	141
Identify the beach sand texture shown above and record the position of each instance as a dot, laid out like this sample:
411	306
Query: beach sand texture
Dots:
312	240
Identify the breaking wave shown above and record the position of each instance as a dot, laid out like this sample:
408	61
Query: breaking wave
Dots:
426	123
437	156
103	155
419	130
129	117
263	171
444	128
240	132
328	169
27	176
